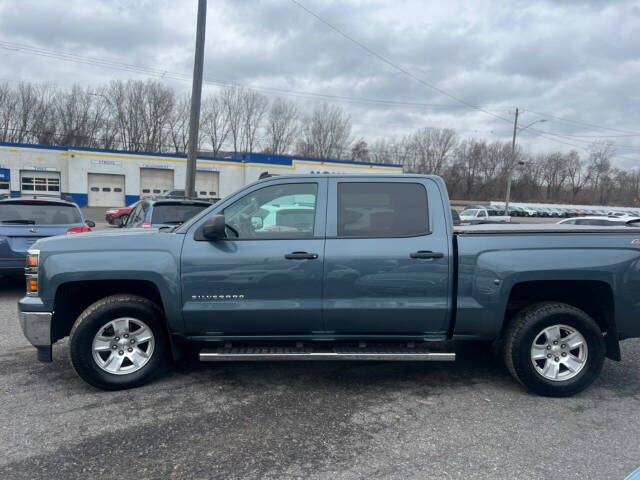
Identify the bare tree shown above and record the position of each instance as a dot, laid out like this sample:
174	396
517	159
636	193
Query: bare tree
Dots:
253	108
179	124
8	107
326	133
282	126
360	151
79	118
215	123
599	168
577	177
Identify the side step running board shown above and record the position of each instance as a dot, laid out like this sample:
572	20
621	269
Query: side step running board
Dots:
279	354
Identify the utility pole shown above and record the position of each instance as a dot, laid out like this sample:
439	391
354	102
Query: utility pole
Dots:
512	164
196	95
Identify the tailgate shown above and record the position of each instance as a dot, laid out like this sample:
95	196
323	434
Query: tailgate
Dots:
15	240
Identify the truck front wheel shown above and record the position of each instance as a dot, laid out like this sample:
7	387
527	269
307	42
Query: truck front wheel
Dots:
554	349
118	342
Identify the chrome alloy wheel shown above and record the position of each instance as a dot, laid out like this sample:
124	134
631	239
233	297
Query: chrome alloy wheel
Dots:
123	346
559	352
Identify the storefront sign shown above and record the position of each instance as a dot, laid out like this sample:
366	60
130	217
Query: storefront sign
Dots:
40	169
106	162
155	165
206	168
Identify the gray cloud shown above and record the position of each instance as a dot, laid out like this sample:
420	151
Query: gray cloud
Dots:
572	58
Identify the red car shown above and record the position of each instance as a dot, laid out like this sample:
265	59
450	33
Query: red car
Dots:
119	216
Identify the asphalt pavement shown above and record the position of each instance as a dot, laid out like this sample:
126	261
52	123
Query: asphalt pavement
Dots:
342	420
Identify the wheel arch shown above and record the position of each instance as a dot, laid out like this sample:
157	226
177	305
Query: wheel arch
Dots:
72	298
594	297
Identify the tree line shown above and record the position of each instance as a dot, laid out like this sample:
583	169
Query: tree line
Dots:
151	117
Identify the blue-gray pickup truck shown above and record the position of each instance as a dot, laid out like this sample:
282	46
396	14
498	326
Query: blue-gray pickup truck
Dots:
331	267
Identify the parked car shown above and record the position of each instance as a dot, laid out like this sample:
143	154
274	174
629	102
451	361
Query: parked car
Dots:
178	193
482	215
24	220
379	272
119	216
164	213
601	221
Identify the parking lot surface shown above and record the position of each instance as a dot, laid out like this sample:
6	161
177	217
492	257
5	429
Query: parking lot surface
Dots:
348	420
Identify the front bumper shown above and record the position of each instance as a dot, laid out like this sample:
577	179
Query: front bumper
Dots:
36	326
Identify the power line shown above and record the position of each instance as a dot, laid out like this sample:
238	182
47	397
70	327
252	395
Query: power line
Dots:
562	119
165	74
394	65
416	78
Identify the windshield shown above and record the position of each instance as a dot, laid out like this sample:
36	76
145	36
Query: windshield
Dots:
39	213
470	213
175	213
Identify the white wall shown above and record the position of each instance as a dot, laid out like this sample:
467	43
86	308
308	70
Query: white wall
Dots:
74	166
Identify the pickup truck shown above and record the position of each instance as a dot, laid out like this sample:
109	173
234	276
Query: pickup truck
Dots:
375	272
483	215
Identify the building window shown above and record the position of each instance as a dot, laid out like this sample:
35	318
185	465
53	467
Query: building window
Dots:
5	175
95	189
117	189
106	189
40	184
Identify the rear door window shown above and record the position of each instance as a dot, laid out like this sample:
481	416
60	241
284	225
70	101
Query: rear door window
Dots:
175	213
380	209
38	213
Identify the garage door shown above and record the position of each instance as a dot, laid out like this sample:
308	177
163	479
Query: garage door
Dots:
106	190
5	181
207	184
33	182
155	181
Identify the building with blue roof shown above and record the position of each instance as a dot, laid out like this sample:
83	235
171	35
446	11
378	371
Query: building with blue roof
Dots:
113	178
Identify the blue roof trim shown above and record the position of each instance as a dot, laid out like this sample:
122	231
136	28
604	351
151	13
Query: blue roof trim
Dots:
32	145
289	159
264	158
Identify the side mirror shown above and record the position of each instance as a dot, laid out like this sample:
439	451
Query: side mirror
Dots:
90	223
214	228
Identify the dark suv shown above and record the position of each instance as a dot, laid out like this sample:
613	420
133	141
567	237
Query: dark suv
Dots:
164	212
24	220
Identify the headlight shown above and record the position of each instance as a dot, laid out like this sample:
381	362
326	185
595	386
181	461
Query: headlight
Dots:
31	271
33	260
112	211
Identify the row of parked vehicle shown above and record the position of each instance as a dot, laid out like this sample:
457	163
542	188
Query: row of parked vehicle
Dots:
24	220
554	212
167	210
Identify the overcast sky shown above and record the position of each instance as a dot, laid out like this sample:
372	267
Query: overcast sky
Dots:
579	60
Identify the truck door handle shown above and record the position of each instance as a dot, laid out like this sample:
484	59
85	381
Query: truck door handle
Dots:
426	254
301	256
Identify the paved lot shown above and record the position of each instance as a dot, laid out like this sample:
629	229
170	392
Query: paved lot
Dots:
464	420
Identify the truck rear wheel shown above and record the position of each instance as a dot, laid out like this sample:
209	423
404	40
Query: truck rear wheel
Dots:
554	349
118	342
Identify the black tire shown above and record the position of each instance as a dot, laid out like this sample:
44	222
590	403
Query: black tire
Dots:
94	318
122	220
522	332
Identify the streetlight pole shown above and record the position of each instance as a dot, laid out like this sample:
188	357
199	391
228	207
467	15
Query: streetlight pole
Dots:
512	165
196	94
